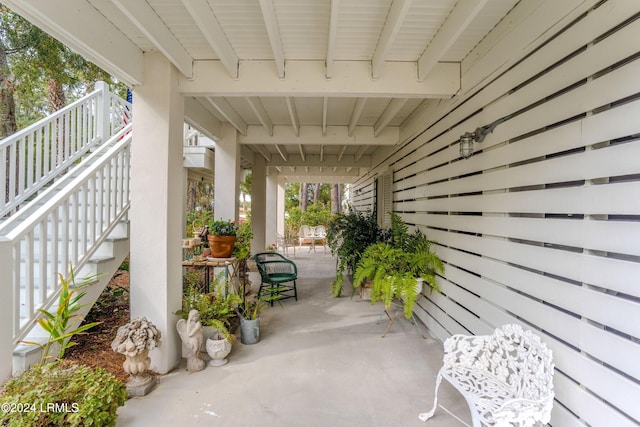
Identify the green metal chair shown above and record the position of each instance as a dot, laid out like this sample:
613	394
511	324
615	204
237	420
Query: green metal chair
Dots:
275	271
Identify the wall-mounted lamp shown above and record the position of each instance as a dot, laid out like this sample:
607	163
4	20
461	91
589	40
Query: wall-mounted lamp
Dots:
467	140
466	145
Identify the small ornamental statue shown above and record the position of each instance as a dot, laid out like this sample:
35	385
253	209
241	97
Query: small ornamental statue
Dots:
134	340
192	334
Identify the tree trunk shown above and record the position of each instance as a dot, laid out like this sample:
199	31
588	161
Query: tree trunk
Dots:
56	98
192	193
316	193
55	95
335	198
8	124
304	196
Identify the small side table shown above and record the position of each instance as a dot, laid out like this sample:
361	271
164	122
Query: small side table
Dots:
231	267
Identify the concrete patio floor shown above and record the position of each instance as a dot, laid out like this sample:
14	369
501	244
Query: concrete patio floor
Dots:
321	361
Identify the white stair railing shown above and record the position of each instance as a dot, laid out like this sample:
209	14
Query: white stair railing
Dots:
33	157
66	230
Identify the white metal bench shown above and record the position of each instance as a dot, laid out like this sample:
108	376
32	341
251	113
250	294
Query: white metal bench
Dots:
506	377
308	232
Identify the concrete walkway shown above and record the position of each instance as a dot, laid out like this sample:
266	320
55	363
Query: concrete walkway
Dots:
320	361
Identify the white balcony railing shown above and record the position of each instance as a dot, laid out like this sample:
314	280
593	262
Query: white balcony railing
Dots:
33	157
75	165
67	230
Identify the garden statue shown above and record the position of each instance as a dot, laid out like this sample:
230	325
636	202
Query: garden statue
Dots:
192	334
134	340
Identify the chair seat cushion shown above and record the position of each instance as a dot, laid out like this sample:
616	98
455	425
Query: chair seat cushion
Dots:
281	277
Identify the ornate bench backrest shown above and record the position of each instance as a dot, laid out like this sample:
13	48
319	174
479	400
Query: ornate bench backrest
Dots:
516	357
319	231
305	231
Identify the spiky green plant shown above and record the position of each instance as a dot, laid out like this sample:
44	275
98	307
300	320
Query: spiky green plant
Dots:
58	324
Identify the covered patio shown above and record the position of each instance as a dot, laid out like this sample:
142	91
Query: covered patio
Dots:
321	361
506	130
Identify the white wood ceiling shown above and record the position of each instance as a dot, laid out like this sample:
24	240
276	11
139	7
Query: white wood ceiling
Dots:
303	81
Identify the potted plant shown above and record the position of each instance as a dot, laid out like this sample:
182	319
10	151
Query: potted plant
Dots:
217	310
348	236
222	238
249	314
398	269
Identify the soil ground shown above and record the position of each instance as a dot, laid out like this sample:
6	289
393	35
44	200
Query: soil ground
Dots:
112	310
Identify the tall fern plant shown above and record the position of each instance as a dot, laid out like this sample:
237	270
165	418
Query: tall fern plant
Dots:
393	268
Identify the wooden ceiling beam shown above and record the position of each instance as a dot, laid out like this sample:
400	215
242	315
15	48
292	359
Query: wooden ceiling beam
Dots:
273	31
226	110
208	24
458	20
261	113
388	114
150	24
395	18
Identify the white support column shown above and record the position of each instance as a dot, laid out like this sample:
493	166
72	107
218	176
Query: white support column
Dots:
280	204
258	204
271	212
227	174
156	205
6	310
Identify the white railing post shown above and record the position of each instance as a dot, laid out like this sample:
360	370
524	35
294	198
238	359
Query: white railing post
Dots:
6	309
104	111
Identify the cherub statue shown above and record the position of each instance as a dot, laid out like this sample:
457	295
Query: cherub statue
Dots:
192	335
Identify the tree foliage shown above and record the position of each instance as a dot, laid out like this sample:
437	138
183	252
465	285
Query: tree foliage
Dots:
44	74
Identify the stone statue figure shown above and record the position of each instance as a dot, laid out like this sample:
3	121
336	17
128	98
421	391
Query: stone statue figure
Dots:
134	340
192	335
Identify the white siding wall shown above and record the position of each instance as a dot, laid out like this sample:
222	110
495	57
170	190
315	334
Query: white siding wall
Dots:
542	225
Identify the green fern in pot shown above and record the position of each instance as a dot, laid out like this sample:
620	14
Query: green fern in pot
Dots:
393	268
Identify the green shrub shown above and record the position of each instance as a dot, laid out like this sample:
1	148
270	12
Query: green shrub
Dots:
62	394
125	265
348	236
316	214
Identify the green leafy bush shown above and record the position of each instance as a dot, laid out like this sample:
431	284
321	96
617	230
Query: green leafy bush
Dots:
60	394
316	214
197	218
393	267
348	236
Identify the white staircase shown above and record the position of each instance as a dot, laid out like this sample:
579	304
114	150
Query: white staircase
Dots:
65	203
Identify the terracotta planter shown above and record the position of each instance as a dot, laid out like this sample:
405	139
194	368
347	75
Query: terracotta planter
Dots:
221	246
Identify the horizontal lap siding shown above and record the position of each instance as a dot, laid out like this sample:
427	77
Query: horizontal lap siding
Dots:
541	226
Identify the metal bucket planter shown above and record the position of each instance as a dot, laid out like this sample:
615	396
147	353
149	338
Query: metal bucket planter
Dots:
249	331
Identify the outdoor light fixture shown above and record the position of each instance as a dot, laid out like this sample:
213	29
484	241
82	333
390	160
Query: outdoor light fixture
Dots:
467	140
466	145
